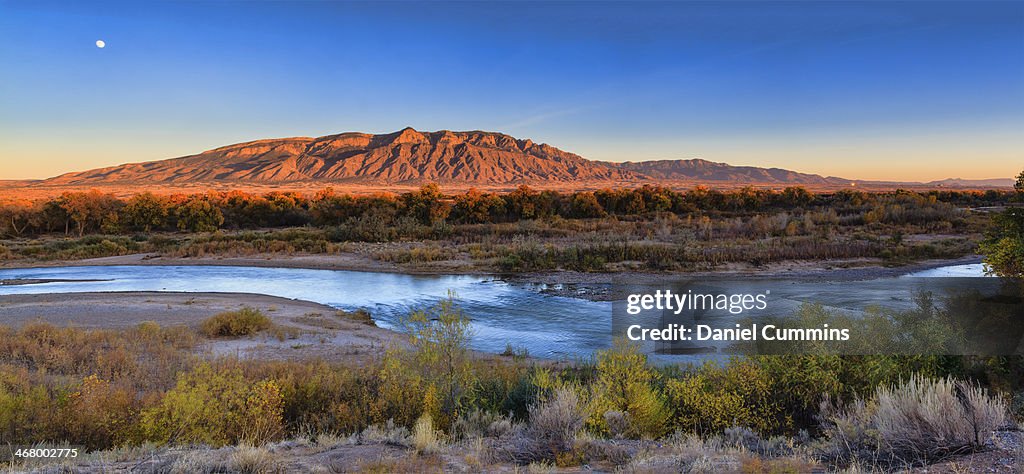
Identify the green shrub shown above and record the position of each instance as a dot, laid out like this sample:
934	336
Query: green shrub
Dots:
244	322
440	358
28	409
718	397
216	406
625	383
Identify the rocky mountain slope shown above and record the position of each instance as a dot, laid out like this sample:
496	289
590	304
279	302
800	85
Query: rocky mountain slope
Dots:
403	156
411	157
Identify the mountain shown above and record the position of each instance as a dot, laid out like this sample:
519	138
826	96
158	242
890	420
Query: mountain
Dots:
402	157
411	157
972	183
703	171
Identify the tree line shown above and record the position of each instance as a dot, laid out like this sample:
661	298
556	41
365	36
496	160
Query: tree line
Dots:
95	212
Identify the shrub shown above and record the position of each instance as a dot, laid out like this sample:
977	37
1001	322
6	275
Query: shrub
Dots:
146	357
913	423
98	414
554	425
27	408
264	410
477	423
440	358
319	397
715	398
617	422
216	406
244	322
625	384
389	433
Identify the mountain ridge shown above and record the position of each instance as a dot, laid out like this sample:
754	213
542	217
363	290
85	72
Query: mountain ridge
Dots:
409	156
403	156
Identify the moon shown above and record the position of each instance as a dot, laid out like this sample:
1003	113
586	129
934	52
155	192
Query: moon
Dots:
101	44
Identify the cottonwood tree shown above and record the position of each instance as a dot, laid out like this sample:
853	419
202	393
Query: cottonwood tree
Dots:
426	204
17	218
475	207
92	210
198	214
145	211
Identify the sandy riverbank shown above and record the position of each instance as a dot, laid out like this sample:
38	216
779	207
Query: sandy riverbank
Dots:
310	330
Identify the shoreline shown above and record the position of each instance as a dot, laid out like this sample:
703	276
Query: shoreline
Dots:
842	270
124	308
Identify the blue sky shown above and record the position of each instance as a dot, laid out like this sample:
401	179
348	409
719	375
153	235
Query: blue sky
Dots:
867	90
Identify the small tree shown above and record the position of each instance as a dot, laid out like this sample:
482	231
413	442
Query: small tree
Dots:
522	203
475	207
626	384
1004	246
91	210
440	339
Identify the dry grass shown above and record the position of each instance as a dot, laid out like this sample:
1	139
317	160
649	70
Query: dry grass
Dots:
389	433
728	453
198	462
913	423
425	438
253	460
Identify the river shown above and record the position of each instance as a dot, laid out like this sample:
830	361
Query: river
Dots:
502	313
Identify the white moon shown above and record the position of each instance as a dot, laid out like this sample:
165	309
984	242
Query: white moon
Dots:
101	44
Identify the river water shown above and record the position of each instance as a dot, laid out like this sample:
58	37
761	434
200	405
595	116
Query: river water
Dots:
502	313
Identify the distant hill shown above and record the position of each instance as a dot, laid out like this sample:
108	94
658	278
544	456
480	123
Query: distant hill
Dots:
972	183
408	157
709	171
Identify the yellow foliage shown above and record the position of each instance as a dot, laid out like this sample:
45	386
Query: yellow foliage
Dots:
216	407
625	383
715	398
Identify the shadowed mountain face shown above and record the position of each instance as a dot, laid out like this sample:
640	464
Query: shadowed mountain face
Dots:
409	156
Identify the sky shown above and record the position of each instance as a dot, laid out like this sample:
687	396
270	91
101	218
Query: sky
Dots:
910	91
